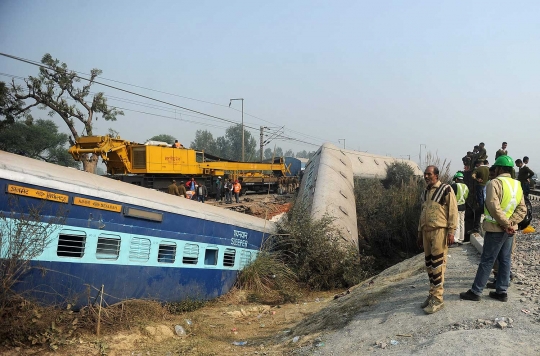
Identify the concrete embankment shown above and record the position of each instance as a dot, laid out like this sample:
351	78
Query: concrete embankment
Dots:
383	315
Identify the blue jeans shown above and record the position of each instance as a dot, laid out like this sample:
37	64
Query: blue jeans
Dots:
481	196
497	246
526	188
200	198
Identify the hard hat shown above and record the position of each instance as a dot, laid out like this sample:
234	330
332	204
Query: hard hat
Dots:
219	177
504	161
458	175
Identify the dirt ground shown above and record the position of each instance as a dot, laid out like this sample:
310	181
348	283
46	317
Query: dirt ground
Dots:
211	330
259	205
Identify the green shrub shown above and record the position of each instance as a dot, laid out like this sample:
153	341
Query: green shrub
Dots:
315	250
388	217
398	174
269	279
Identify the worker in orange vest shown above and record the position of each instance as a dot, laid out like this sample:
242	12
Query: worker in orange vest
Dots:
236	189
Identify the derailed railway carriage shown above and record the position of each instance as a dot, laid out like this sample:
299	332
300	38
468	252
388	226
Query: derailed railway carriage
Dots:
136	242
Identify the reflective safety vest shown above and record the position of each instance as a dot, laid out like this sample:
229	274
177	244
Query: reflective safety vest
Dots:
237	187
462	193
512	194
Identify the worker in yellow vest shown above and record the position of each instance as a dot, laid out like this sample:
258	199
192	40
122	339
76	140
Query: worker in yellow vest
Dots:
503	211
462	192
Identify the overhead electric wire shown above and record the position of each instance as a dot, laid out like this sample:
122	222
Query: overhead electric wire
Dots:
154	99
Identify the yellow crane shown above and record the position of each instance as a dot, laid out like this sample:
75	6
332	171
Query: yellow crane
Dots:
160	161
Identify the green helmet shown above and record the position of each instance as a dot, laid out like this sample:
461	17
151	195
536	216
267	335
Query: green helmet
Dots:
504	161
458	175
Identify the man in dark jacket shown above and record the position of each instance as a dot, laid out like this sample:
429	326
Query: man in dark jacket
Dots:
524	176
481	176
202	192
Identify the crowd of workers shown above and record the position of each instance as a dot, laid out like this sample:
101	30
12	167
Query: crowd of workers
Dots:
500	200
199	192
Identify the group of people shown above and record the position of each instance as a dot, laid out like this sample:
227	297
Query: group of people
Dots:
227	189
482	173
501	199
287	185
192	190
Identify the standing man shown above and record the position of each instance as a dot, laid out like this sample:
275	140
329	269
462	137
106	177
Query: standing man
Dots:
467	161
182	190
202	193
228	189
462	192
236	189
482	153
502	151
524	175
173	188
505	208
481	176
191	184
219	186
438	221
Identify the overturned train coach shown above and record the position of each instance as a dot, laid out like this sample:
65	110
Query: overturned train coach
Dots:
327	187
81	231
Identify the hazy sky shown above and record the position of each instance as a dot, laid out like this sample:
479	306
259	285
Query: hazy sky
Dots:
385	75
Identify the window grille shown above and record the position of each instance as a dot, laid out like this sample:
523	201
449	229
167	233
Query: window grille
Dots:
229	257
167	252
139	249
108	247
71	245
191	254
139	157
210	257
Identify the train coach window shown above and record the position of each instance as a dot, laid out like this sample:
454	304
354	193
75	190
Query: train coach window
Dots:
108	247
71	244
211	256
191	254
167	252
229	257
139	249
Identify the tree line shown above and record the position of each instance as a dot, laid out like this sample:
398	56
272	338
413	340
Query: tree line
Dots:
229	146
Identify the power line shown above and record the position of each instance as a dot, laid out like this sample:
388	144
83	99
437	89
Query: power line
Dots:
147	97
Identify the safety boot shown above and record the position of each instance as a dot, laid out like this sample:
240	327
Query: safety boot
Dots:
434	306
426	302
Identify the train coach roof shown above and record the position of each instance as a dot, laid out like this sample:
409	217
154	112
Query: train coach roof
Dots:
30	171
367	165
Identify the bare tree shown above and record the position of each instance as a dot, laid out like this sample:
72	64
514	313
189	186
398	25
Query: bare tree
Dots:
52	89
25	231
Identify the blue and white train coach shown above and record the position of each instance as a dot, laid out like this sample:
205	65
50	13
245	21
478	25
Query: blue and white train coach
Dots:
137	242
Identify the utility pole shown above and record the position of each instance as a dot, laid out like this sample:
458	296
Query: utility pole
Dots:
422	144
262	143
230	101
342	139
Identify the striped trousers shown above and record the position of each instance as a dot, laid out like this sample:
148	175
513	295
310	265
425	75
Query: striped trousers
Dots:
435	251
